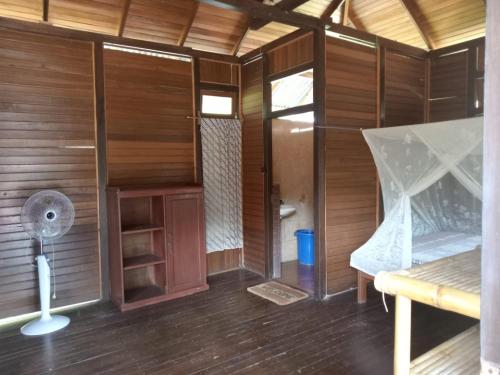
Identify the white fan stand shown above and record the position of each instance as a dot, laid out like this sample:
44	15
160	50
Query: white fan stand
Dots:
46	323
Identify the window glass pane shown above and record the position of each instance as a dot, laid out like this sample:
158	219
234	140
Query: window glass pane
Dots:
292	91
217	105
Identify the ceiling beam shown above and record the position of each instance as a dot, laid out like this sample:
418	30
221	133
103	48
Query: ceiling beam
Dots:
237	45
256	24
187	26
353	17
123	17
415	14
45	10
268	13
330	9
345	12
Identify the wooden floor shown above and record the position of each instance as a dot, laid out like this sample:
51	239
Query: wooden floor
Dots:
226	330
298	275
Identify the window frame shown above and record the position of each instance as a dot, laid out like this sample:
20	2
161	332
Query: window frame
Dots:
225	94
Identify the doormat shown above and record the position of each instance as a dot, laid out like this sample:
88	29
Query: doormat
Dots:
278	293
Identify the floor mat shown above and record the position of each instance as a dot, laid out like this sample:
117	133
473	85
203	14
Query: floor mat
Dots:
278	293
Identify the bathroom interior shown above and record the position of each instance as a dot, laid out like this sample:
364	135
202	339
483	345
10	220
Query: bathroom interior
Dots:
293	181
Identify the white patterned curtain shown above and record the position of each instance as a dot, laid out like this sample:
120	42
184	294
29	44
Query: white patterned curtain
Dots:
221	149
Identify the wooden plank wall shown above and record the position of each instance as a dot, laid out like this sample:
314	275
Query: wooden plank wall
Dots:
351	194
448	91
456	81
219	72
291	55
404	89
254	257
150	140
47	141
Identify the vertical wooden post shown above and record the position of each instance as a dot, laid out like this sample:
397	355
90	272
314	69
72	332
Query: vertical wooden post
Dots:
319	164
490	260
427	89
102	173
268	167
197	122
402	336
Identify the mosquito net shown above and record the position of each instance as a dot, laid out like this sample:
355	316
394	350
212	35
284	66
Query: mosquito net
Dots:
430	176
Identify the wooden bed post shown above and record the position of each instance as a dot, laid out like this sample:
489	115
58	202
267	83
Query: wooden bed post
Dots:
363	280
402	336
490	284
362	287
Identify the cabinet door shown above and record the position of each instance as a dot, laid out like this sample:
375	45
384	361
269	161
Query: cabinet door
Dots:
186	263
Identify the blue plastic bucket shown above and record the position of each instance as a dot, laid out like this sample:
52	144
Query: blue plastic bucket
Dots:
305	246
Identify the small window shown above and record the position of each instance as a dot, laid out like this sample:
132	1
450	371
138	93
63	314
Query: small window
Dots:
222	104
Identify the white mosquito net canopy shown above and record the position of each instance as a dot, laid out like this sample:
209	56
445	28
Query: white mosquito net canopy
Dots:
431	179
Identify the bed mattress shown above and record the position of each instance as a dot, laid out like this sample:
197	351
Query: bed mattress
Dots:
439	245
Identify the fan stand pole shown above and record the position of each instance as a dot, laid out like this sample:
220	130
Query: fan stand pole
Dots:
46	323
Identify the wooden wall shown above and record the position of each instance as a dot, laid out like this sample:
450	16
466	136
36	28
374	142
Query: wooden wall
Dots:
448	92
149	138
456	81
47	141
351	194
222	261
404	84
219	72
291	55
253	166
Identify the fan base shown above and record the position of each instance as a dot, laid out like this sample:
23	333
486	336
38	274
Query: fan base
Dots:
42	327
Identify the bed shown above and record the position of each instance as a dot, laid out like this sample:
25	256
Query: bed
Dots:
434	246
431	181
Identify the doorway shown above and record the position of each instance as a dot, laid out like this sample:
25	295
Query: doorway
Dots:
292	180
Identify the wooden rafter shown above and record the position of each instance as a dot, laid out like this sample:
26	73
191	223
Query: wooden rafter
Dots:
256	10
45	10
237	45
345	12
330	9
187	27
353	17
123	17
415	15
285	5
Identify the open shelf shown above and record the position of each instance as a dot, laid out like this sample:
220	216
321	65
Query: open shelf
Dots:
143	293
141	261
459	355
141	228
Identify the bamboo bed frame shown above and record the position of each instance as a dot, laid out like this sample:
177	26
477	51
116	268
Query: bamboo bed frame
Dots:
451	284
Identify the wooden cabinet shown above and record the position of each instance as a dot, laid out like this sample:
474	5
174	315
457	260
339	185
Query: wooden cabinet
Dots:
186	264
156	244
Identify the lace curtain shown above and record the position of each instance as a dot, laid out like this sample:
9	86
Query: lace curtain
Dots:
430	176
221	150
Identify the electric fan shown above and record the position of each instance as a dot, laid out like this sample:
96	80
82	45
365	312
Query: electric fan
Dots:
46	215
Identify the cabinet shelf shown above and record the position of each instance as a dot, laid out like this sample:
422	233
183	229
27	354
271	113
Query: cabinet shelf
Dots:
141	229
143	293
141	261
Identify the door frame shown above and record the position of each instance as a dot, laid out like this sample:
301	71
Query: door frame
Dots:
318	107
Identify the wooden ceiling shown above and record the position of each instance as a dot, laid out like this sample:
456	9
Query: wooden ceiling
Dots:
207	26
